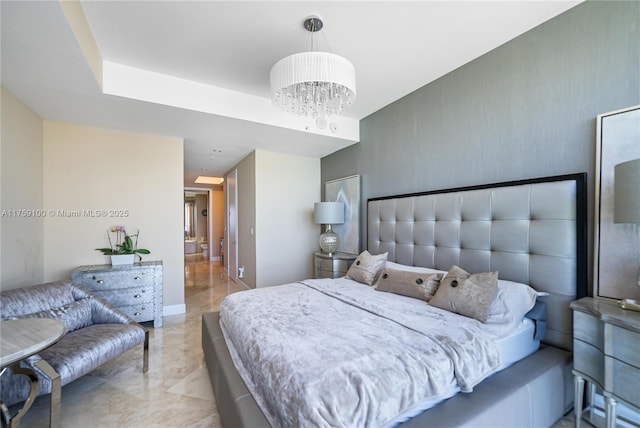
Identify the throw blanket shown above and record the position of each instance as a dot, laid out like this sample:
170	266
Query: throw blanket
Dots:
336	353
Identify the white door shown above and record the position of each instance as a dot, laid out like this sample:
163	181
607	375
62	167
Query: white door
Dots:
232	217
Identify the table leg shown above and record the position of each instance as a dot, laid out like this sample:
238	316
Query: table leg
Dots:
578	383
6	415
591	393
145	352
33	380
611	409
56	392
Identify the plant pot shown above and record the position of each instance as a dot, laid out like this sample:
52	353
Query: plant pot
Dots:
122	259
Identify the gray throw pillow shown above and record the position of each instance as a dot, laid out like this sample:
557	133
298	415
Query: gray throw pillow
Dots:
74	316
412	284
466	294
366	268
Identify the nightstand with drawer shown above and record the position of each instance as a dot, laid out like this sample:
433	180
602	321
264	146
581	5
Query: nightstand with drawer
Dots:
606	353
333	265
134	289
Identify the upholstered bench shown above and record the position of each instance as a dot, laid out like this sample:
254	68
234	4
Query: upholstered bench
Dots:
96	333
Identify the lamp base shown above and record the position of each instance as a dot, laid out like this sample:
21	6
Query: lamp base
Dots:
328	241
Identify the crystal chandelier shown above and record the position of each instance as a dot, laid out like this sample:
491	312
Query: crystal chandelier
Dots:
313	83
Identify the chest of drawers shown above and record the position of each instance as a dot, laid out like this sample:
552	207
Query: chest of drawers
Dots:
606	353
134	289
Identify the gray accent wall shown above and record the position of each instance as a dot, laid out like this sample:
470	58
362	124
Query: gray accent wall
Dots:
526	109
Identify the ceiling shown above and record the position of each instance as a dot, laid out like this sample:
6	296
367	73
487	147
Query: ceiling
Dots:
210	63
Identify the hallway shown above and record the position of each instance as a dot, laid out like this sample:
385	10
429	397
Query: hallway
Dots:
175	392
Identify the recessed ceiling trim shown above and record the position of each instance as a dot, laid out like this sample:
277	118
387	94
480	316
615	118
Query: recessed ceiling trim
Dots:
145	85
74	14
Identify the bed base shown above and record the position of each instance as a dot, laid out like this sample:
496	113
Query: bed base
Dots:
236	405
531	393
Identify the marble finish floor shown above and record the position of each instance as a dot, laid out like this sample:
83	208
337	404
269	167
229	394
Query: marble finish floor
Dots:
176	391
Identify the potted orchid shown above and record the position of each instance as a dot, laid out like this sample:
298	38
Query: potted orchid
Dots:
125	248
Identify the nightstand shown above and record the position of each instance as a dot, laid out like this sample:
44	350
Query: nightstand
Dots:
606	353
331	265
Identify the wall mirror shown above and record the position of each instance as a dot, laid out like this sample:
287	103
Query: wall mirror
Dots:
616	238
346	190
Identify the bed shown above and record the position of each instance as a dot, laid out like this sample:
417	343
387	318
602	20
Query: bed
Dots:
531	232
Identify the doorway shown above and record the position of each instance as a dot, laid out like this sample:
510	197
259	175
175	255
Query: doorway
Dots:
197	223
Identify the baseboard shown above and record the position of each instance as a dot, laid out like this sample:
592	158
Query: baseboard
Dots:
241	282
174	310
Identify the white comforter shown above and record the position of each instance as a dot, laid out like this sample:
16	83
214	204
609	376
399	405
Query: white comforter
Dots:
336	353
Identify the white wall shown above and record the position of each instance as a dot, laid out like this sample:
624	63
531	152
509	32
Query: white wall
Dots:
286	188
21	235
130	179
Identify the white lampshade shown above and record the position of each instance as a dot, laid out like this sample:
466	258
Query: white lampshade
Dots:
328	212
627	192
313	84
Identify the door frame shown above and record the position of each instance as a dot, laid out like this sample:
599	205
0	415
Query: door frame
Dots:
231	184
209	217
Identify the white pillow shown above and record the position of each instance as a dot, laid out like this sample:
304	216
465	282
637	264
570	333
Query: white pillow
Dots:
512	303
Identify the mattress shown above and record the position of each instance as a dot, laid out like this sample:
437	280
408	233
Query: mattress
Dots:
518	344
511	347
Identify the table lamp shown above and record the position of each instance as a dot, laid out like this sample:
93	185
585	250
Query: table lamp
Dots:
626	207
328	213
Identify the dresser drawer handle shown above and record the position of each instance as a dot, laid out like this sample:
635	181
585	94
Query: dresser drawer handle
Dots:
100	281
137	278
137	296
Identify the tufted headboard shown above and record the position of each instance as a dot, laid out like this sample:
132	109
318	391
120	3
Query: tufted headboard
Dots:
530	231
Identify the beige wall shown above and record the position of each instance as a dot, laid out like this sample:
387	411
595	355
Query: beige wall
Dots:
21	233
136	180
216	221
286	188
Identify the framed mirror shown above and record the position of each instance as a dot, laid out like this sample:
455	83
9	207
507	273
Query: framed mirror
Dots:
616	237
346	190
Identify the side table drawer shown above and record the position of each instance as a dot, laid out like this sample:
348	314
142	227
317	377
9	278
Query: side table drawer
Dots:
588	329
331	265
321	273
112	280
588	360
623	345
140	313
622	380
127	296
